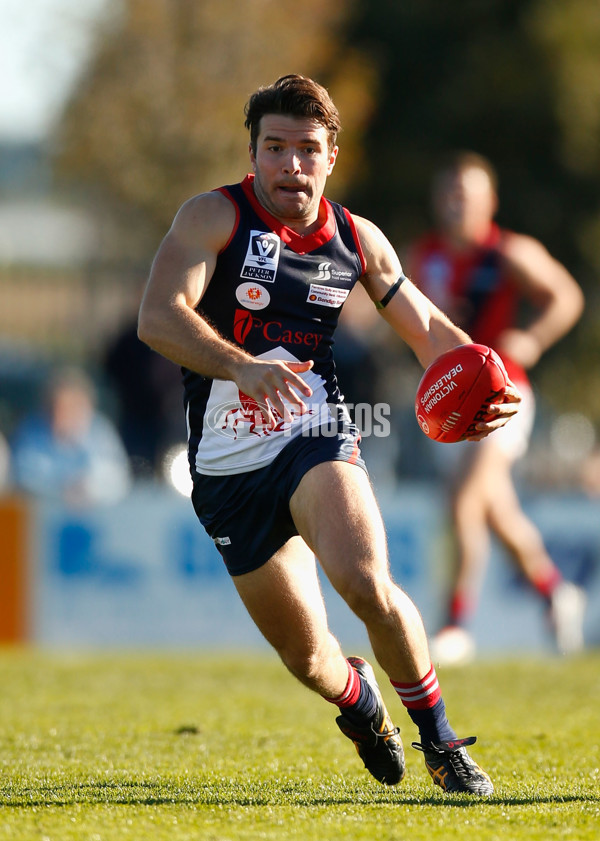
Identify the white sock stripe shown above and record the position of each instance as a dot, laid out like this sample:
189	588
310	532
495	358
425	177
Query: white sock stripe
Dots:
344	697
428	680
418	693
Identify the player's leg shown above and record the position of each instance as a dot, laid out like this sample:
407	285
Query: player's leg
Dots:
524	542
284	599
506	517
471	533
335	511
484	498
248	517
454	644
517	532
473	487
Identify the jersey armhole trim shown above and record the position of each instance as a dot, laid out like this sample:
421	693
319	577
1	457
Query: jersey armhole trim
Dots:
225	192
361	254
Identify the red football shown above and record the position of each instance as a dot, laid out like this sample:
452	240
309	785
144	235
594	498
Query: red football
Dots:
456	391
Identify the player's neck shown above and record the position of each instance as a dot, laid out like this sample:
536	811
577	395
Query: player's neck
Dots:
301	225
304	227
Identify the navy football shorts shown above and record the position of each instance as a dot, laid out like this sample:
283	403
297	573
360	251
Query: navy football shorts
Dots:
248	514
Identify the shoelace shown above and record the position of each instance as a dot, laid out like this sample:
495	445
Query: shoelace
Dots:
459	760
395	731
461	764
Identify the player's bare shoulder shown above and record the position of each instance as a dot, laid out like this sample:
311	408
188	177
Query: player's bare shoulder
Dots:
372	239
186	257
382	263
207	218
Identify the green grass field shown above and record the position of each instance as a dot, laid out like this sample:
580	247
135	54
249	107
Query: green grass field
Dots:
99	747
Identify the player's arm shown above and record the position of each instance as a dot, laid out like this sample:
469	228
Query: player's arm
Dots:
168	321
416	319
418	322
550	288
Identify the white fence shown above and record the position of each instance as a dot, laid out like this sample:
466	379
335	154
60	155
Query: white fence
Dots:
144	574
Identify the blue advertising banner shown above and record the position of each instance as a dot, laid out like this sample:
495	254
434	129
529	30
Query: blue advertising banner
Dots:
144	573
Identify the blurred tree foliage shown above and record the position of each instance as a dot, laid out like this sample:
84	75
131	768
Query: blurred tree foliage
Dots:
158	117
518	81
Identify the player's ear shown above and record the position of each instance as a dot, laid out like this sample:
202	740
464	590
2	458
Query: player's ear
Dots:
332	159
252	157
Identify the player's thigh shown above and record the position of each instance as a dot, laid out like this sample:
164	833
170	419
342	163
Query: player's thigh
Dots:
283	597
335	511
476	467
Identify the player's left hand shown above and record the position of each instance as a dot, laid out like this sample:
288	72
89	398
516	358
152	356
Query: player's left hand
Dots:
499	414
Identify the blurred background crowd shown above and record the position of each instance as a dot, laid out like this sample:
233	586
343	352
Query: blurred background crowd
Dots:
115	111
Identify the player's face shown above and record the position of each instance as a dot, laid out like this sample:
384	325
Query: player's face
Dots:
291	166
465	203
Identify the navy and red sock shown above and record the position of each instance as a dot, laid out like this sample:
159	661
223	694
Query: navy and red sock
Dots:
358	702
462	608
547	582
422	699
425	705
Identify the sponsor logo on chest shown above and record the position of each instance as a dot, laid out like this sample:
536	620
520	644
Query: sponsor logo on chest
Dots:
272	331
326	296
262	257
253	296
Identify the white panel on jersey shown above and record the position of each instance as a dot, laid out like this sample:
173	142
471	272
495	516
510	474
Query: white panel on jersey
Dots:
234	436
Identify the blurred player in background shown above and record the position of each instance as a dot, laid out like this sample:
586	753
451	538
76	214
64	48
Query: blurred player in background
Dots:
69	450
480	275
244	293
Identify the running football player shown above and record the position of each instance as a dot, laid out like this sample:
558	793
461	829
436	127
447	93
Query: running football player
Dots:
245	293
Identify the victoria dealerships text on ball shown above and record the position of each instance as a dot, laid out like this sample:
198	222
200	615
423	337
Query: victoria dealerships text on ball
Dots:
441	388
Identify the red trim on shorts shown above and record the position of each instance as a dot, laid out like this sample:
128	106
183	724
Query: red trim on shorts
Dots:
355	452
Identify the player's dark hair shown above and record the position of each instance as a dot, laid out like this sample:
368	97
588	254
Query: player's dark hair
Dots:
294	96
459	161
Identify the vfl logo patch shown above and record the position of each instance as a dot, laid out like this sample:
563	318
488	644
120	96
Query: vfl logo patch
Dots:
326	296
252	295
262	257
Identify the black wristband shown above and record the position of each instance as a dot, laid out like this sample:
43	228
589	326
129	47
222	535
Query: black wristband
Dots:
381	305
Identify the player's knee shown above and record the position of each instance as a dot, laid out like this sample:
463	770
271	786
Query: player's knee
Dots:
304	662
367	595
469	506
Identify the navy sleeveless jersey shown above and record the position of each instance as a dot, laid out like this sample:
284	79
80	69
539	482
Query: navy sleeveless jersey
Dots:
473	286
278	295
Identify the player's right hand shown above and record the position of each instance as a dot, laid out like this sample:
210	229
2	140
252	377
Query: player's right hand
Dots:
275	385
499	413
